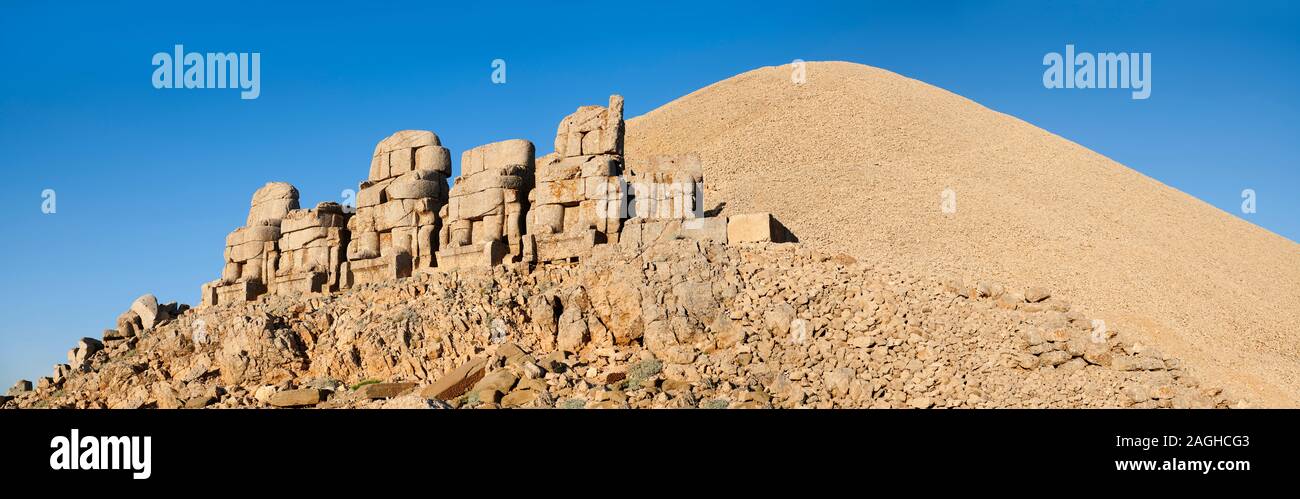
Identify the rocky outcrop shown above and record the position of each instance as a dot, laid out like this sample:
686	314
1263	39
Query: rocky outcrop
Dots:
678	324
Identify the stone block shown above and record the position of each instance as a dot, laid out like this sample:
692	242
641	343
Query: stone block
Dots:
713	229
561	169
604	165
756	228
395	213
560	247
384	268
298	398
480	255
239	292
435	158
407	139
416	189
457	382
302	238
256	234
271	203
497	154
560	192
303	283
400	161
478	205
547	219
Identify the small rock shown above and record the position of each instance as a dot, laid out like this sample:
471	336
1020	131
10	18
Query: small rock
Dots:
200	402
514	355
501	380
489	396
1136	393
1054	358
1036	294
263	394
519	398
778	319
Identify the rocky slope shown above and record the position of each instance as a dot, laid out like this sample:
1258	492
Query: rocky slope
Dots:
856	158
683	324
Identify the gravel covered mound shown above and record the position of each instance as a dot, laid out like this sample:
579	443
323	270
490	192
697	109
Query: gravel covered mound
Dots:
856	159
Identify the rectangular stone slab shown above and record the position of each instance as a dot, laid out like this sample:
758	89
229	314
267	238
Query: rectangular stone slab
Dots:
456	382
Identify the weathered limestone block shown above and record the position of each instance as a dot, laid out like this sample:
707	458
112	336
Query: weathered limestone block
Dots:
454	383
640	233
409	150
592	130
239	292
146	308
271	203
559	247
381	269
568	191
757	228
712	229
513	152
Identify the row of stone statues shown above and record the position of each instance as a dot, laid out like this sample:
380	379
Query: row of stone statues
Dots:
506	206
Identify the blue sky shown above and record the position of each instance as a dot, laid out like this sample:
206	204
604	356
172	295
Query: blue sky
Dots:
149	181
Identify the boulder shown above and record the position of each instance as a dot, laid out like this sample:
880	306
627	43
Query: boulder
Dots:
146	308
19	387
298	398
456	382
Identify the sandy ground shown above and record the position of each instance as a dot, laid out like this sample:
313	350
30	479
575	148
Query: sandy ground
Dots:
856	159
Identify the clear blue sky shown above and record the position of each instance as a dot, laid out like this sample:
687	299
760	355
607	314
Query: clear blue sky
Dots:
149	181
